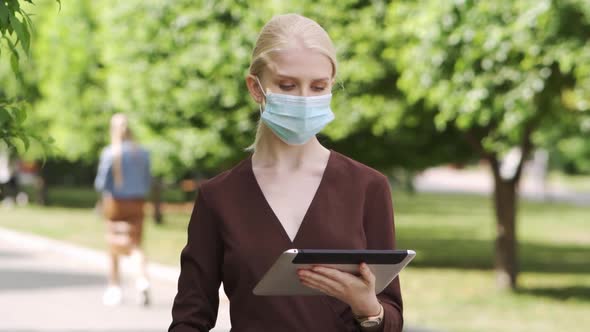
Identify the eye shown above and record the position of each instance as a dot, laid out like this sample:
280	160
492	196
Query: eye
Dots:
318	88
286	87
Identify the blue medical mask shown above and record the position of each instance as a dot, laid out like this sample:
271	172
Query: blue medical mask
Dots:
296	119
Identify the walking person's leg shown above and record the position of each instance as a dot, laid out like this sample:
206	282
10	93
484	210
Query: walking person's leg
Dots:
119	243
114	274
115	237
113	295
142	283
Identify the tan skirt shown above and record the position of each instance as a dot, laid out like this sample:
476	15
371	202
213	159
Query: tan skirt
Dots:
124	218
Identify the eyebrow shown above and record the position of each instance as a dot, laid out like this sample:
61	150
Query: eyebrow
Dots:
297	79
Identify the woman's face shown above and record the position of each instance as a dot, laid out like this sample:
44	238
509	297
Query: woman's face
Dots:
297	72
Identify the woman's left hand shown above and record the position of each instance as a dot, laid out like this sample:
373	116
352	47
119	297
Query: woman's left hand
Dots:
357	292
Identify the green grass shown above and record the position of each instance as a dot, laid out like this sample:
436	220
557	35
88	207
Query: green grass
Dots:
449	286
84	227
579	183
76	197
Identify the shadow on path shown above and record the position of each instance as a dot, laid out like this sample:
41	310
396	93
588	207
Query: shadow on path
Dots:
578	292
29	279
4	254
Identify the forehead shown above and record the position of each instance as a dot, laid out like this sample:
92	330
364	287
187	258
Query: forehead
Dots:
300	63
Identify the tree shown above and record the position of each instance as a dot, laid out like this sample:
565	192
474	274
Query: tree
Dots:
572	151
374	121
15	35
177	69
15	93
504	73
69	76
418	82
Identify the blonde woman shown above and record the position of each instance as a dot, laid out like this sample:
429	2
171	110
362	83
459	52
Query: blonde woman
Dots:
124	180
290	193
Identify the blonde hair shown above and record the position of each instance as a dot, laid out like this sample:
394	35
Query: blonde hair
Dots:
120	133
283	32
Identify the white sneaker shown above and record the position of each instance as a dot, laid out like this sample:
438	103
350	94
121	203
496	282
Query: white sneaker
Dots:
22	199
112	296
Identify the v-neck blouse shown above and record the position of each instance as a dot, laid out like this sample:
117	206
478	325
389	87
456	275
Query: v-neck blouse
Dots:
273	213
234	237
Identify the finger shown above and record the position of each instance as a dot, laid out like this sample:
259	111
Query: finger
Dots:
343	278
307	279
322	280
318	286
366	273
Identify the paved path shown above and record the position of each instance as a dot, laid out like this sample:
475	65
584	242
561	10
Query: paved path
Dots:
479	181
51	286
46	286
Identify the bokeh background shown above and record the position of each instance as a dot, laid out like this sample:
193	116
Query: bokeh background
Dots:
478	111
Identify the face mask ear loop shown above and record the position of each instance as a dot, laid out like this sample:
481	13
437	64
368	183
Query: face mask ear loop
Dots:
263	103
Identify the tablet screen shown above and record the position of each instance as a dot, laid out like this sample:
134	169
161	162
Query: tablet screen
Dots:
373	257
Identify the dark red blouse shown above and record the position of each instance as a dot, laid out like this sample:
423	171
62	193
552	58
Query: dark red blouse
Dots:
234	237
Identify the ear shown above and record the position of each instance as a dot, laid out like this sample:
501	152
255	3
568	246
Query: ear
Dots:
254	89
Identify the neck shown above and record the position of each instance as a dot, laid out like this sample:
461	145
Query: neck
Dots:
271	152
119	141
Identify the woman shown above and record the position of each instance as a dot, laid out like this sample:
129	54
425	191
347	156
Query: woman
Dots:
291	193
124	179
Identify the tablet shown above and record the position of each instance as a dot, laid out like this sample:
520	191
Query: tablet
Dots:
282	279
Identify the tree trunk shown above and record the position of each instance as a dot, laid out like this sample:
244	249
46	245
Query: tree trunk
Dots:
157	198
505	200
409	182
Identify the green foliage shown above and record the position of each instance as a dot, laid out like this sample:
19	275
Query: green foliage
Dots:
374	122
499	70
15	29
15	44
506	73
572	153
12	117
69	76
15	37
178	69
414	77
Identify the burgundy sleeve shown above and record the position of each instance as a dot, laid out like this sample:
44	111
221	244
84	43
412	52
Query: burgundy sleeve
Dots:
197	302
380	234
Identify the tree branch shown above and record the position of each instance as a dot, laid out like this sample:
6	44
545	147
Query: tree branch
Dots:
525	147
475	143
